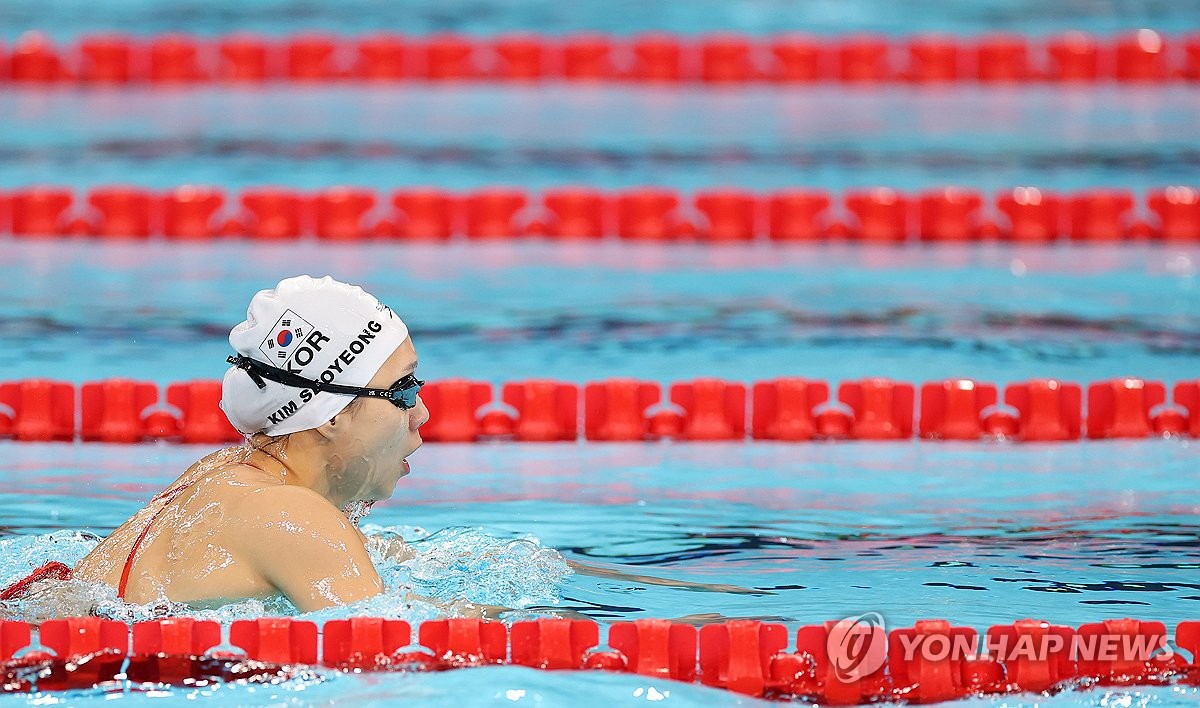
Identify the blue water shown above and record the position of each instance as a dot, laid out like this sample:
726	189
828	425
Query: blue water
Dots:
79	310
815	532
611	137
68	18
978	533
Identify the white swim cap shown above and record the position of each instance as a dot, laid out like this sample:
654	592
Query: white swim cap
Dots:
322	330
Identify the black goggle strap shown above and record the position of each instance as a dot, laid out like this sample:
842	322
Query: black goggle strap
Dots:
257	371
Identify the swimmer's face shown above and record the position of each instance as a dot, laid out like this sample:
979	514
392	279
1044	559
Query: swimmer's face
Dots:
378	436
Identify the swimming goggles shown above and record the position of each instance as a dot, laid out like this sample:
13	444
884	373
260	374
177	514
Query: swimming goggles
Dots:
402	394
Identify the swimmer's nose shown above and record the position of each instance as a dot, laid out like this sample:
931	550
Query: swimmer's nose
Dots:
420	415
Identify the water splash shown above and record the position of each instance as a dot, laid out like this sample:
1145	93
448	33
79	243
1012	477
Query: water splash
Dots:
357	510
469	563
424	576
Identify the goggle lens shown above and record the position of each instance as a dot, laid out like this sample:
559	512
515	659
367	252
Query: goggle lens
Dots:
404	392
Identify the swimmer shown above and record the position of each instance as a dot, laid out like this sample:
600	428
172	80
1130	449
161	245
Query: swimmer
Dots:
324	385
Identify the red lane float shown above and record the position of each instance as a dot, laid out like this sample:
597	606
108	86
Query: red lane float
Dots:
839	663
743	656
382	57
789	409
785	409
271	214
459	642
112	410
881	409
1047	409
425	214
121	211
1122	408
241	58
712	409
450	57
649	215
552	643
189	212
798	215
40	211
38	410
1036	655
457	402
798	59
1033	215
546	410
340	213
1003	58
953	410
616	409
653	647
520	57
881	214
578	212
278	640
494	213
727	215
166	651
1141	56
363	642
588	57
934	59
950	214
1178	212
1101	215
201	419
835	680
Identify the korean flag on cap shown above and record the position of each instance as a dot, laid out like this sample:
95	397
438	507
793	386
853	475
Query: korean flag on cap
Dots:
286	336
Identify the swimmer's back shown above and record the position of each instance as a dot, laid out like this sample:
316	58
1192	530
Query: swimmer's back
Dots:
228	530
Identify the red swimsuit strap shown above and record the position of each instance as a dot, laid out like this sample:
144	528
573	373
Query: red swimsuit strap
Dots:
53	570
169	496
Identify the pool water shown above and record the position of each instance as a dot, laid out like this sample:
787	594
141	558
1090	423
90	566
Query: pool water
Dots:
458	137
810	532
585	312
979	533
73	17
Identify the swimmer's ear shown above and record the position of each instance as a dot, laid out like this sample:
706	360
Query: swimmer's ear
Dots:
338	424
333	428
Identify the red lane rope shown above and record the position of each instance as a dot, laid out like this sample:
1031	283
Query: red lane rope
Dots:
883	215
847	662
1136	56
786	409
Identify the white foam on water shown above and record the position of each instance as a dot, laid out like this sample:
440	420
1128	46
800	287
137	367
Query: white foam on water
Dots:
425	576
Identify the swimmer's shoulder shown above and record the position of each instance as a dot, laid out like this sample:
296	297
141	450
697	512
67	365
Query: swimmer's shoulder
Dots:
295	506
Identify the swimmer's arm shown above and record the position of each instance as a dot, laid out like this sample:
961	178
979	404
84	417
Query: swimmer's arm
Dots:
306	548
616	574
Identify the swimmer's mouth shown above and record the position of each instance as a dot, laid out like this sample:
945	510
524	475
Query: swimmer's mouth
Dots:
405	466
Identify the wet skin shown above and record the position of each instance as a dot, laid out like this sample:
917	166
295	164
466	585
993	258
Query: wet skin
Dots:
257	522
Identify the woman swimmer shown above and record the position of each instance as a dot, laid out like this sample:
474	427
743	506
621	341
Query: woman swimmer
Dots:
324	385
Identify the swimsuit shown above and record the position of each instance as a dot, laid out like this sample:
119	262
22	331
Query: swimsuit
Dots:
55	570
50	571
169	496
